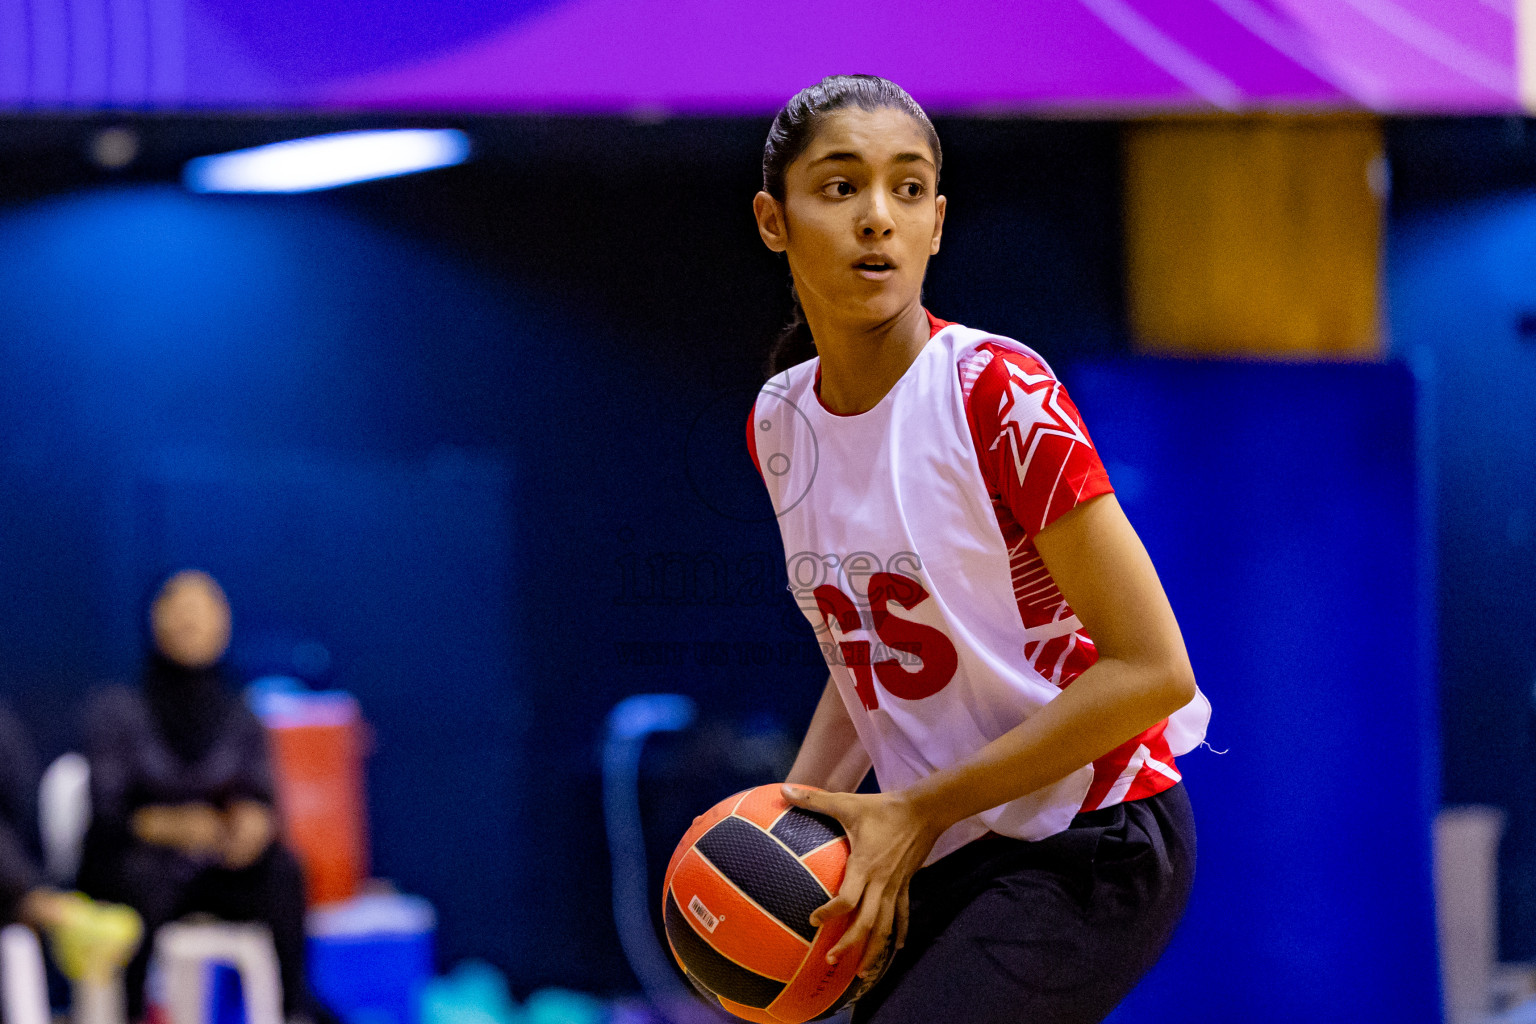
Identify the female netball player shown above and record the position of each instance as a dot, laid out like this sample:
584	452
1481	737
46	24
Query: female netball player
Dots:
1001	650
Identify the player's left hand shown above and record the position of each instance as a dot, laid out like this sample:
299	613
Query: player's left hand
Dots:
888	841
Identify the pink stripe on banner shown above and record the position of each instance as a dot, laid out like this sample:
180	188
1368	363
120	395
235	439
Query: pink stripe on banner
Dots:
708	57
1397	60
1485	28
1266	58
701	55
1167	52
694	55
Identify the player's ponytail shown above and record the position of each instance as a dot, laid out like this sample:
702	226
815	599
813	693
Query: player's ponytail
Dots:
791	132
794	343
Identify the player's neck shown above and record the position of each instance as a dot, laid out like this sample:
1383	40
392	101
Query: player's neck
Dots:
860	364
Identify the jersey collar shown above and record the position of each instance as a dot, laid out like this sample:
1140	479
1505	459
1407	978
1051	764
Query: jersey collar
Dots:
935	325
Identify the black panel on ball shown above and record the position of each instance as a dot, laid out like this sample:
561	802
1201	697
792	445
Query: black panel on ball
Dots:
803	831
712	969
767	872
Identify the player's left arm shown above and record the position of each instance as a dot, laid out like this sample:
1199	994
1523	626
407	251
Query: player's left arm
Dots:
1142	676
831	757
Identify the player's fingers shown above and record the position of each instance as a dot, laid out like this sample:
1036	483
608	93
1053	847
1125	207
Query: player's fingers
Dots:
858	930
818	800
802	796
837	906
879	940
859	933
903	910
848	896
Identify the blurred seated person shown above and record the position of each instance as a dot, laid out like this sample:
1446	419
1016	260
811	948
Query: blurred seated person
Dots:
89	939
183	820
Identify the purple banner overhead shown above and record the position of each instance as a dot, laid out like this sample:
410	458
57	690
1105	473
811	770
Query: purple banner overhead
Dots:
719	56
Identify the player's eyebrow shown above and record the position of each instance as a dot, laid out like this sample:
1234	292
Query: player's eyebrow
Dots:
900	158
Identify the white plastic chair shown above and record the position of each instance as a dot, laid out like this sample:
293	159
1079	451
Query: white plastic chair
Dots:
63	811
23	981
63	814
186	952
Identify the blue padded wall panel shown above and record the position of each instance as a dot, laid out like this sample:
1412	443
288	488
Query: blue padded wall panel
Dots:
1280	504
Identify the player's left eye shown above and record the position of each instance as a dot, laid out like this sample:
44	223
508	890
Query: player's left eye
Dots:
910	189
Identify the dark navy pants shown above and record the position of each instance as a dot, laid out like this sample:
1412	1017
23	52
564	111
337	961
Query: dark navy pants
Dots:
1057	931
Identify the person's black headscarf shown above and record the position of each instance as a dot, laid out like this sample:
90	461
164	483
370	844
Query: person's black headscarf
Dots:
190	706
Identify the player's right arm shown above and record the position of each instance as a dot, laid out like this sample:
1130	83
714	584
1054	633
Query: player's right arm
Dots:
831	757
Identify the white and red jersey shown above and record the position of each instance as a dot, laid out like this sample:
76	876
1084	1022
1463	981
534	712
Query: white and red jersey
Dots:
908	537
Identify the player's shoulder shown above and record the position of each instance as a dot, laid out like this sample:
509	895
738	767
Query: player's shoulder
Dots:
791	380
986	361
773	409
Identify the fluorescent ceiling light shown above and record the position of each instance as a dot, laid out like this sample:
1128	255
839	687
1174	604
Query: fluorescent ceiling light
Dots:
326	161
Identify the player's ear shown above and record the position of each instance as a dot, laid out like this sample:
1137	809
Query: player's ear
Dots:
939	204
771	225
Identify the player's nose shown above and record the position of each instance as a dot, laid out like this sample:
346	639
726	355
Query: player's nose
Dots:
876	221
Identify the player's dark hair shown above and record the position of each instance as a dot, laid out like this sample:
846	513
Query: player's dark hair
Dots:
792	131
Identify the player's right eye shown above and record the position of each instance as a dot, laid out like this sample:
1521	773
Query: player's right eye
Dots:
839	189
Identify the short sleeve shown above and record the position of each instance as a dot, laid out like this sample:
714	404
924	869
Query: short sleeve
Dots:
1034	449
752	438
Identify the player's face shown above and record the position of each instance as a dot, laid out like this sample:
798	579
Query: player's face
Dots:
861	215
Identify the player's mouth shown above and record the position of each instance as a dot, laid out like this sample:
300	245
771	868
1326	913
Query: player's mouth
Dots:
875	266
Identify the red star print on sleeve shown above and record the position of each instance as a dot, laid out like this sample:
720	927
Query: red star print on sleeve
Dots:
1034	449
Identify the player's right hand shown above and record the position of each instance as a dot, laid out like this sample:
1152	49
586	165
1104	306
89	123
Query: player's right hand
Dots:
888	841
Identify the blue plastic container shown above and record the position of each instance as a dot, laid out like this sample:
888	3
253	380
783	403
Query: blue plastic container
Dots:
370	959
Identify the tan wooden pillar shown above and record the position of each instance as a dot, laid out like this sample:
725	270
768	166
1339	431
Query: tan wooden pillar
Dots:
1255	235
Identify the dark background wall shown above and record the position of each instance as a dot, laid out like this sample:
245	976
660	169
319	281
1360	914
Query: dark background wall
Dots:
478	434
